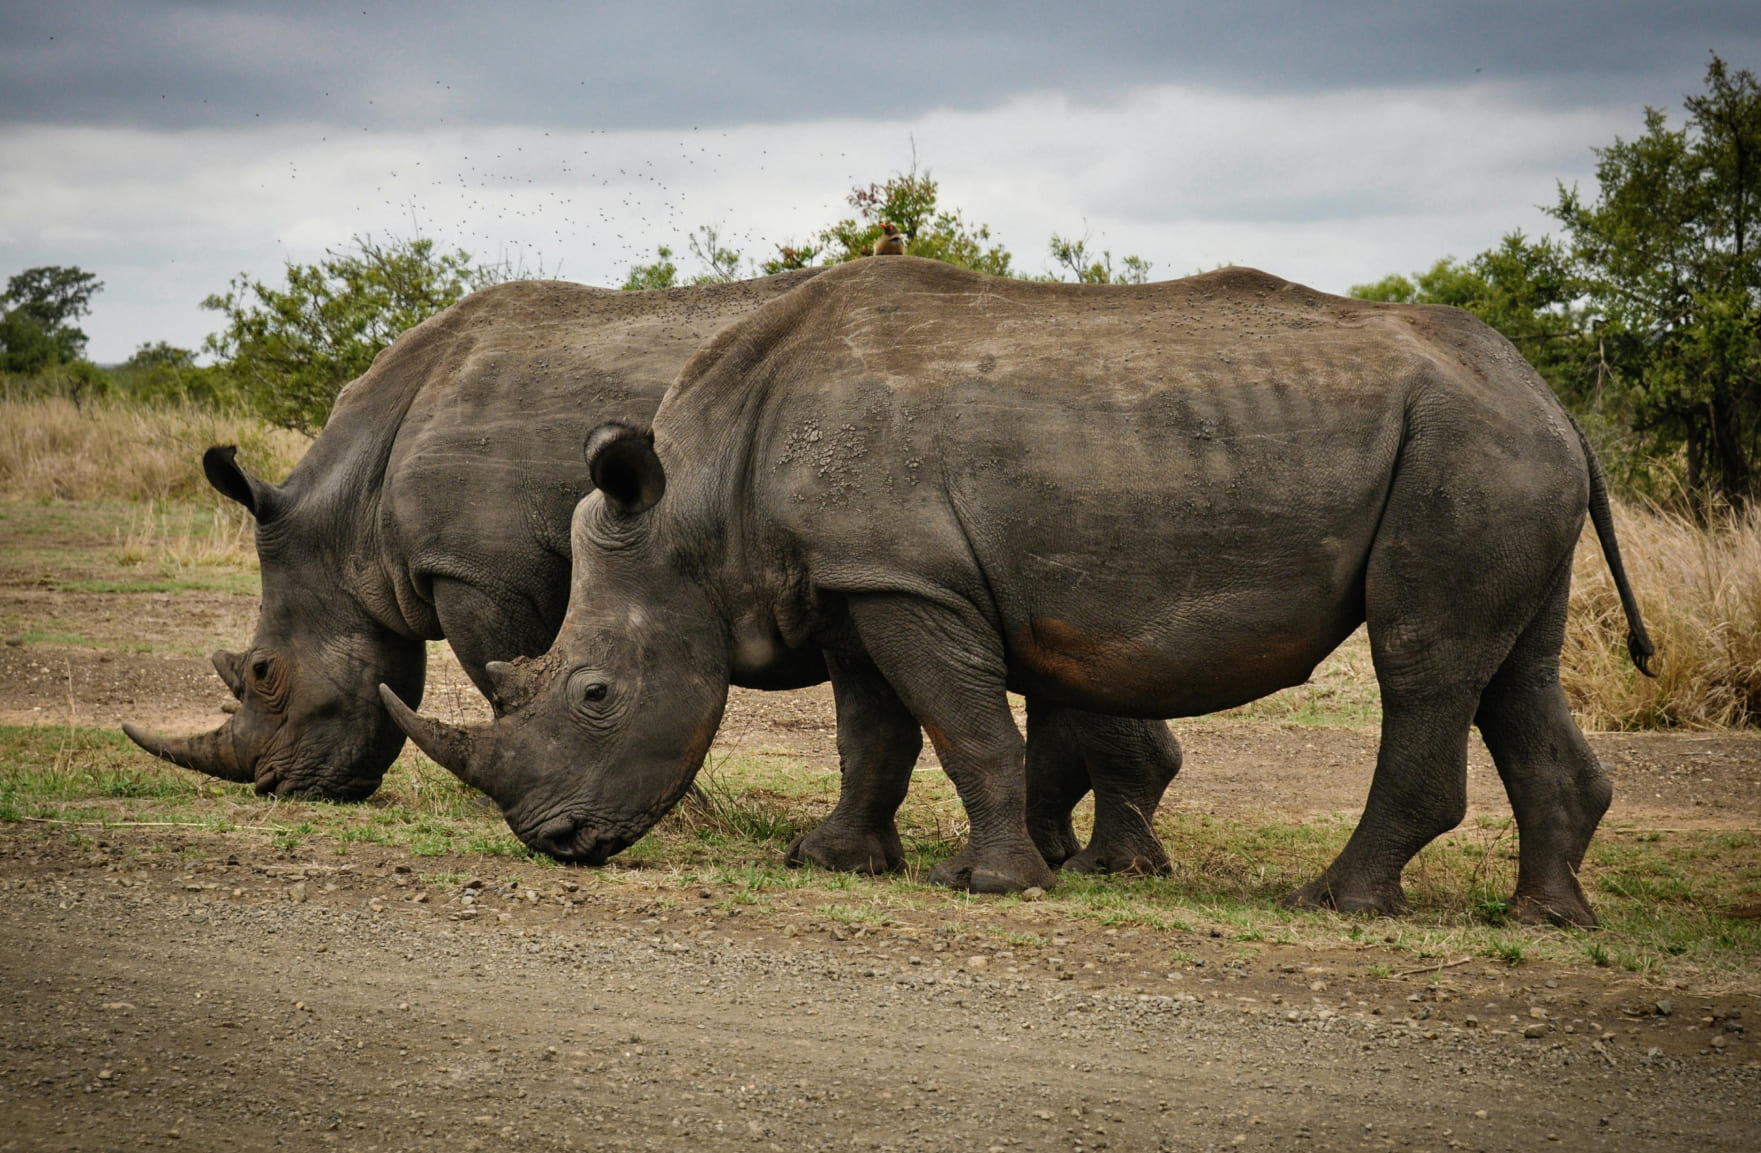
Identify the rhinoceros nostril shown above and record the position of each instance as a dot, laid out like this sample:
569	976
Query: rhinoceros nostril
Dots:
557	830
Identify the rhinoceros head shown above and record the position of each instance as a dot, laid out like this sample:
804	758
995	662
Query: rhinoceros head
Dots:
601	735
309	721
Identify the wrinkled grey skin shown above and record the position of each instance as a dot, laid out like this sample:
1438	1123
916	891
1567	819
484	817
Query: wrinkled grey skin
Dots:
1159	501
437	503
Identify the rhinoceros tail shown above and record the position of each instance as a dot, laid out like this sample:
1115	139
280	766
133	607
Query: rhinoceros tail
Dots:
1638	641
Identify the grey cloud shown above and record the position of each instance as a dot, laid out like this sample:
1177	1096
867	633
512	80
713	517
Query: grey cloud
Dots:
676	63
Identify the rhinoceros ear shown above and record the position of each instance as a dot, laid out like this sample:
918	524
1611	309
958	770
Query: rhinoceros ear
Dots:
226	476
621	459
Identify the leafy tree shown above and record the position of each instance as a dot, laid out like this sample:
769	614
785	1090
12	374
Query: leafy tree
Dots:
788	258
1667	260
1525	289
663	273
41	304
909	201
721	265
291	349
161	372
1074	255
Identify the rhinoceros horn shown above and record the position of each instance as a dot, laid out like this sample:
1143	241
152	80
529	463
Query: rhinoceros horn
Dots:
211	753
449	746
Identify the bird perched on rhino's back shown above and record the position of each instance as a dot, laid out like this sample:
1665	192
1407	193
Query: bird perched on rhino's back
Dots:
891	242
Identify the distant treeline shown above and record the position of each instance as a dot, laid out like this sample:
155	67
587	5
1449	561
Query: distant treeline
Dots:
1643	313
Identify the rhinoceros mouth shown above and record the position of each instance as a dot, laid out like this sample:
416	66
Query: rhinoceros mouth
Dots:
317	789
575	842
282	770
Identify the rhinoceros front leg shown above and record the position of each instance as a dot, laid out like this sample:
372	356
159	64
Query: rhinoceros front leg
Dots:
1128	761
878	743
947	668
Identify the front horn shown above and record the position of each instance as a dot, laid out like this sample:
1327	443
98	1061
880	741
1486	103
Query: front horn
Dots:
211	753
448	746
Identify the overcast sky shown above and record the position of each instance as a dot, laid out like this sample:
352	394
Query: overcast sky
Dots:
169	146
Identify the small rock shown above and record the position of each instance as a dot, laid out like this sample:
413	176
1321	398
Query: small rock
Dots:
1481	1114
376	905
297	893
1537	1012
1719	1042
1665	1008
977	962
1032	893
105	1074
1470	1021
1534	1030
117	1007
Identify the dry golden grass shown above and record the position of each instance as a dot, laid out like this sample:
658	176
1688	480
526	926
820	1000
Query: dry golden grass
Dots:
180	537
49	450
1699	590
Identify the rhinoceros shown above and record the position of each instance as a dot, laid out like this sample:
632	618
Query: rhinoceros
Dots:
436	503
1155	501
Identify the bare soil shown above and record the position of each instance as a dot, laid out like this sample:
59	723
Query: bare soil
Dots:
176	988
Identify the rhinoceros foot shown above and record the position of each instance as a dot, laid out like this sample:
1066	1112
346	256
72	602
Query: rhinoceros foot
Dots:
994	871
844	849
1054	837
1122	858
1566	907
1347	895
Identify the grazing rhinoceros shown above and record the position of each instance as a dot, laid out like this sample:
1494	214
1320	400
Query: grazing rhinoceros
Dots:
1159	500
436	504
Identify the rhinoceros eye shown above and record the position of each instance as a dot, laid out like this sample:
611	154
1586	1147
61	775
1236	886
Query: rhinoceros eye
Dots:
587	687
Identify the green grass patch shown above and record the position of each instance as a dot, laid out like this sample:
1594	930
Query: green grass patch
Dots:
1665	903
236	584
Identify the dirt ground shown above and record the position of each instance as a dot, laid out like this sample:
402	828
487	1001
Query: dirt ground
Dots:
175	988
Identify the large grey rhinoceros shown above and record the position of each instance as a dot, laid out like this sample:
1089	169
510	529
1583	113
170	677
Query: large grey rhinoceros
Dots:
1159	501
436	503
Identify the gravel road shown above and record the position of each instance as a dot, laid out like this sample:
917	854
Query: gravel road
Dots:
204	991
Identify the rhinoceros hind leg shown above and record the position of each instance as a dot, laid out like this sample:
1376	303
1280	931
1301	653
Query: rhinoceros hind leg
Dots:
878	743
1558	789
1131	763
1057	778
1128	762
